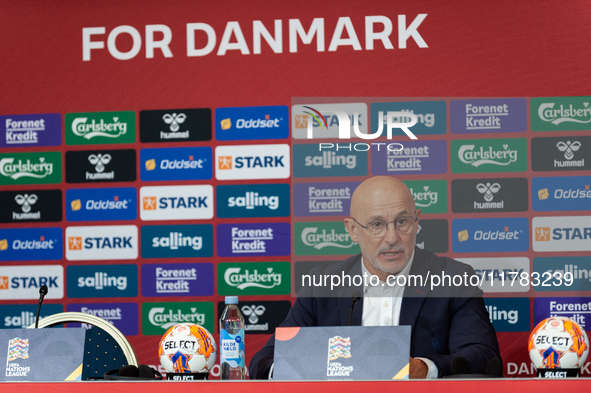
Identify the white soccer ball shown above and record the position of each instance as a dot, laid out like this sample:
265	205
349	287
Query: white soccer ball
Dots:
558	342
187	348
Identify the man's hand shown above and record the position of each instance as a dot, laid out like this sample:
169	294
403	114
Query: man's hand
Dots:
418	369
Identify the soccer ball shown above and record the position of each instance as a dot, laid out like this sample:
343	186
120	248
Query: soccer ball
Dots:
187	348
558	342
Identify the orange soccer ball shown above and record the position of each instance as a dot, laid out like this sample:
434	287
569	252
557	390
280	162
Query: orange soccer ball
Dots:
187	348
558	342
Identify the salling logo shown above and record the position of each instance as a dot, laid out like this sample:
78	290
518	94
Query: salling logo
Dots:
246	241
114	129
548	113
569	148
233	277
176	240
488	190
311	238
329	159
25	169
160	317
174	121
26	201
252	199
102	280
174	280
480	156
23	131
424	198
404	116
99	161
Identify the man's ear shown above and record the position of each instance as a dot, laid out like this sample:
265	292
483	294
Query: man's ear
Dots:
418	216
351	227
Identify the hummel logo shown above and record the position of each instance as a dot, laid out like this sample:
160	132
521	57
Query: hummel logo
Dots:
99	161
253	312
569	148
174	120
488	190
26	201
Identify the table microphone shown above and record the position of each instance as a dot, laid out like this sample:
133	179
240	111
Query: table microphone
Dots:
356	297
42	293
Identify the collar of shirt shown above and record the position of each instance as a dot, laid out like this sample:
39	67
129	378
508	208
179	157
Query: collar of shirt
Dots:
382	288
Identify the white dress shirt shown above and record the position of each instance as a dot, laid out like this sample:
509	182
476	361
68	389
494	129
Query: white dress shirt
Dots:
382	303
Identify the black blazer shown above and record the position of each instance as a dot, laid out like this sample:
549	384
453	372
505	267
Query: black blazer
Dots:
446	321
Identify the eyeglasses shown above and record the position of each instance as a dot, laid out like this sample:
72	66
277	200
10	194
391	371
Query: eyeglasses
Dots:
377	228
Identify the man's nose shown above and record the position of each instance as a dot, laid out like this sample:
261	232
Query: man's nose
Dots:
391	236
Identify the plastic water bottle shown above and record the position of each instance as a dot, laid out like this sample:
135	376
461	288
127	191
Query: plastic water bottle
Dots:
232	341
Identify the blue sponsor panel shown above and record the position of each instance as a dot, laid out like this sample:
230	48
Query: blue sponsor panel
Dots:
101	204
564	274
101	281
124	316
177	279
488	115
576	308
308	161
30	244
250	123
323	199
490	234
253	240
179	163
31	130
431	117
416	158
508	314
256	200
15	316
177	241
561	193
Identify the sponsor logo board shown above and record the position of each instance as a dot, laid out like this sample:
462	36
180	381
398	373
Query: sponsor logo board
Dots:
175	125
254	278
300	120
30	168
91	166
261	317
430	195
554	272
177	279
488	115
499	275
308	161
509	234
553	234
157	318
565	153
323	238
433	235
576	308
176	203
253	200
30	244
107	242
323	199
177	241
508	314
489	155
416	158
101	204
31	130
252	162
21	316
561	193
489	195
249	240
560	113
91	281
431	116
180	163
254	122
99	128
31	205
23	282
124	316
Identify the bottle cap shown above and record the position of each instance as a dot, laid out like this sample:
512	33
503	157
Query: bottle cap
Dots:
231	299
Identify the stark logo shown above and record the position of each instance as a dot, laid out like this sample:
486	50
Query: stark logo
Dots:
225	162
543	234
99	161
301	121
488	190
174	120
74	243
253	312
26	201
149	203
569	148
3	282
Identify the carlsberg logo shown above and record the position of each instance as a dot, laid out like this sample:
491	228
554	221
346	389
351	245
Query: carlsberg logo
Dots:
549	112
20	169
160	317
90	129
468	154
267	280
311	238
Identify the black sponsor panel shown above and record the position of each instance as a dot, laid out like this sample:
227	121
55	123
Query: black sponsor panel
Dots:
489	195
175	125
92	166
433	236
261	317
564	153
31	205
